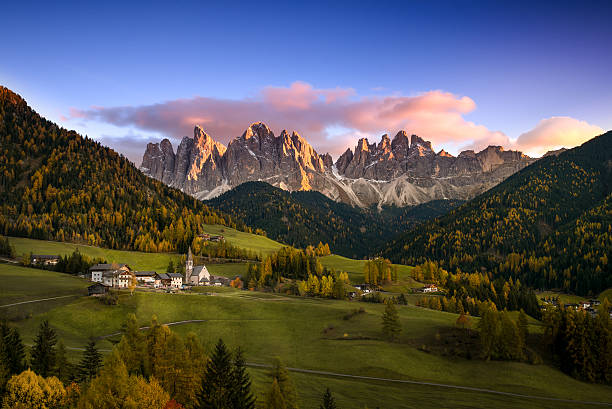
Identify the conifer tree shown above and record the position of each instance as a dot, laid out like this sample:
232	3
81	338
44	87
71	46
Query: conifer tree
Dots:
90	363
328	401
43	352
217	380
242	398
63	367
285	384
275	398
391	326
12	351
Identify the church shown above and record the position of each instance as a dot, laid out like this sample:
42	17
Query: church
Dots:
197	275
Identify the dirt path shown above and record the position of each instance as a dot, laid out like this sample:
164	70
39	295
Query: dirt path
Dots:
39	300
439	385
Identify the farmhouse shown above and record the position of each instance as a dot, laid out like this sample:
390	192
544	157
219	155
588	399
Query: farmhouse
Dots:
96	272
162	280
145	277
176	280
208	237
364	288
430	288
44	260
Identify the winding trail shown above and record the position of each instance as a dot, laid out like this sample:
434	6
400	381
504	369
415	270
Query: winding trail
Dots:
440	385
39	300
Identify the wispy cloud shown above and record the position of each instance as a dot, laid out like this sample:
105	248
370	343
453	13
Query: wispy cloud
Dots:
435	115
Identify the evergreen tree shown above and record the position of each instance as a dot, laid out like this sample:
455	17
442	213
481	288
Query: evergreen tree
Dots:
328	401
12	351
63	367
275	399
242	398
217	380
170	268
90	363
43	352
285	384
391	326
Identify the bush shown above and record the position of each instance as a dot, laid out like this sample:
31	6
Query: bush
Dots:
110	298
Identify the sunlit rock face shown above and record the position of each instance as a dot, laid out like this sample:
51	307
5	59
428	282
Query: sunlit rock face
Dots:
399	171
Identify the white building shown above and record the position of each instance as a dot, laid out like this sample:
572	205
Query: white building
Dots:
176	280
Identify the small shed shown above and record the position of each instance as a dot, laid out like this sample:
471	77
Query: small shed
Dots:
97	289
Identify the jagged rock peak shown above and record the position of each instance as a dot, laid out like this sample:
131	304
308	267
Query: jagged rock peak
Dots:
328	162
166	145
400	138
258	129
385	142
362	145
445	154
418	141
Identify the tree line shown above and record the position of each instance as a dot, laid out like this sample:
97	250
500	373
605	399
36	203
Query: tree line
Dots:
581	342
469	292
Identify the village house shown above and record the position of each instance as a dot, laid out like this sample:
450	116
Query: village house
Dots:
364	288
96	272
162	280
208	237
44	260
145	277
430	288
124	278
176	280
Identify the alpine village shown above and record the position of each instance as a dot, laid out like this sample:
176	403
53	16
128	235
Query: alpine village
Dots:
202	256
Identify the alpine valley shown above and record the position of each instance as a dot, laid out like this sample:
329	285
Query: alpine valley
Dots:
401	171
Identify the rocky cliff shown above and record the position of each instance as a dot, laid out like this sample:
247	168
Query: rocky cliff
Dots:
402	171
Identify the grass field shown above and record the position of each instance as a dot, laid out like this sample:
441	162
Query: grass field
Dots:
355	269
304	333
258	244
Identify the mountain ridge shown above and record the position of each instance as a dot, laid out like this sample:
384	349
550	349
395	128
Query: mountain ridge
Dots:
400	171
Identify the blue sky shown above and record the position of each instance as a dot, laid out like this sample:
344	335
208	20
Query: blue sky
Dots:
519	63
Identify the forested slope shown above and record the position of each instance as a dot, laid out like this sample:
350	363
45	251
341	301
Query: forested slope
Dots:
550	225
303	218
56	184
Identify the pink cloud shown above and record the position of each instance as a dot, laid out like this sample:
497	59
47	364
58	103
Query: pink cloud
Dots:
435	115
556	132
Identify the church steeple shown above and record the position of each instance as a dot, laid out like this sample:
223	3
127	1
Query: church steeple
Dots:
188	266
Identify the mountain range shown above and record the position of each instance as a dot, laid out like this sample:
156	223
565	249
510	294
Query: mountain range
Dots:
401	171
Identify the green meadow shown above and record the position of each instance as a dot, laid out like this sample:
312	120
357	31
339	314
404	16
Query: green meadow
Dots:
253	242
305	333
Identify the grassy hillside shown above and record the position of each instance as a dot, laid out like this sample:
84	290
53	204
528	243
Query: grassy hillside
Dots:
307	218
355	269
253	242
311	334
547	225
